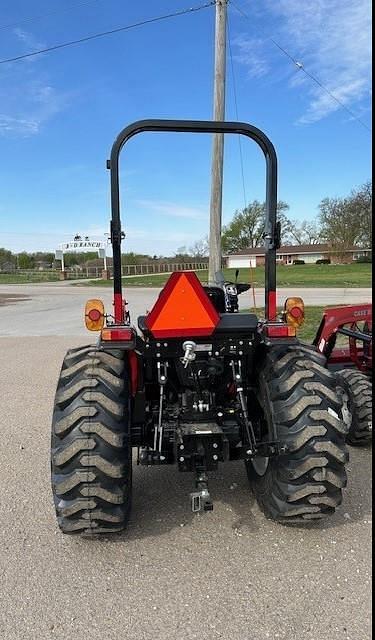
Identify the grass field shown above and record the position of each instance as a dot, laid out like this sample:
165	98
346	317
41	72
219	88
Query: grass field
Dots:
352	275
313	316
15	278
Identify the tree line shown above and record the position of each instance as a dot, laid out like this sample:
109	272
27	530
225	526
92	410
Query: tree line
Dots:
43	259
342	223
46	260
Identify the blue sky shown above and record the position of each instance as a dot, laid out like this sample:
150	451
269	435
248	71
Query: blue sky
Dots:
59	114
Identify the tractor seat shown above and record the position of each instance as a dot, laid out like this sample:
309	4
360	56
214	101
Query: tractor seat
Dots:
229	323
237	323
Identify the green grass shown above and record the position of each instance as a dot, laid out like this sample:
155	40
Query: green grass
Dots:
313	316
16	278
346	275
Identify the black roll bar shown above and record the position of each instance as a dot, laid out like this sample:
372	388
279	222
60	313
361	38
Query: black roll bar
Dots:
200	126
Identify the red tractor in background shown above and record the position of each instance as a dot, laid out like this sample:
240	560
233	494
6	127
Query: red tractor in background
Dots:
352	362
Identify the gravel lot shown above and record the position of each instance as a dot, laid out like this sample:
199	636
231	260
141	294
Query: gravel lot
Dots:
172	575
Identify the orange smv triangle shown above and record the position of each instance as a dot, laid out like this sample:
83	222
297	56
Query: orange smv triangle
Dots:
183	309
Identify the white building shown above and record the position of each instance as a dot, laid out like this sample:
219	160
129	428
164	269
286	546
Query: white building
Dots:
309	253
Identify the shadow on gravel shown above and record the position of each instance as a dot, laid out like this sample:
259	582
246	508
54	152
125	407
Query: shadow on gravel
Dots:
161	501
357	503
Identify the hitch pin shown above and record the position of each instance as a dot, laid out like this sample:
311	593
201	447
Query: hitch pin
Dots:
189	356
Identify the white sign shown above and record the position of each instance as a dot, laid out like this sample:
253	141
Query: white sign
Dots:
82	244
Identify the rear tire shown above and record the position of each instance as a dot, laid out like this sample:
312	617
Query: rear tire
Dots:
91	448
300	399
359	388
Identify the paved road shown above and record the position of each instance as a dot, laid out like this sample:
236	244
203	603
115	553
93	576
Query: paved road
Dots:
57	309
171	576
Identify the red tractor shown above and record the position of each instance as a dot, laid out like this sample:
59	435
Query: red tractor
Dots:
195	385
352	363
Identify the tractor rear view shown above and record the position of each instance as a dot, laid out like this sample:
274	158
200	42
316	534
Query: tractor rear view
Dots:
197	384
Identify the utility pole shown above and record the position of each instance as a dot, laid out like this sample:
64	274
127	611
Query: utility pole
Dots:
214	264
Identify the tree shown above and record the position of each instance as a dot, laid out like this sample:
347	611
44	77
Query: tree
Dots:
181	255
25	261
246	230
361	204
72	259
181	251
6	257
135	258
337	224
305	232
346	222
199	249
43	256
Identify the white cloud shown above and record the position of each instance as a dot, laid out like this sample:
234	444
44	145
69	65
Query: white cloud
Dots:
332	38
29	41
21	126
172	209
27	107
252	53
27	98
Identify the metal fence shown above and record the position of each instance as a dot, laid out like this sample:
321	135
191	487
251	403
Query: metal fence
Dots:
96	272
163	267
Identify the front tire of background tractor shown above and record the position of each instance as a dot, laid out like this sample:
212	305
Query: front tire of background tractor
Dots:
91	448
301	398
359	389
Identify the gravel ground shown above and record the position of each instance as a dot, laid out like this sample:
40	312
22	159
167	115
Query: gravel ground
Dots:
172	575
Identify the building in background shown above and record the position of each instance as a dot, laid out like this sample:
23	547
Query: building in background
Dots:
308	253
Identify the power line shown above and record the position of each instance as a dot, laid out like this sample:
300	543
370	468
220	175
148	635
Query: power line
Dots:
236	109
300	66
45	15
252	281
312	77
111	32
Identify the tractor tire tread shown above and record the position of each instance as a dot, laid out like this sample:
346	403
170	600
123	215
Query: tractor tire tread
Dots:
300	396
91	447
359	388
